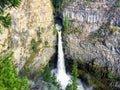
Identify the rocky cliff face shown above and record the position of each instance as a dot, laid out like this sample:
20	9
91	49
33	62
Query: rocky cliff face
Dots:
30	36
95	33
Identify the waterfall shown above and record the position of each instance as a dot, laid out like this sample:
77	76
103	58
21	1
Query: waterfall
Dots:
61	63
62	77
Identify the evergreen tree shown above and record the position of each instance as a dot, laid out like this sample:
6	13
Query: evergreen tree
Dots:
8	4
66	22
8	77
48	77
74	84
5	20
47	74
75	75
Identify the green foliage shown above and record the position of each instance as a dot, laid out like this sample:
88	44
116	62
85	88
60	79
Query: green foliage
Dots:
98	75
46	88
59	4
118	3
52	4
54	31
46	43
113	29
72	30
75	75
87	2
34	45
38	32
69	87
74	84
48	77
53	88
54	82
40	40
76	30
66	23
5	20
8	76
47	74
39	35
95	35
110	75
105	26
8	4
27	69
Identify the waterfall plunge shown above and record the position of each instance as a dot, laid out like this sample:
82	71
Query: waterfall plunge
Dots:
62	77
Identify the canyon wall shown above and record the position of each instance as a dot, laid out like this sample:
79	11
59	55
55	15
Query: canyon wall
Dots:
93	39
30	36
94	33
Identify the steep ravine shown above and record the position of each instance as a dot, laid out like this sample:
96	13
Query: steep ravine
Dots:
93	39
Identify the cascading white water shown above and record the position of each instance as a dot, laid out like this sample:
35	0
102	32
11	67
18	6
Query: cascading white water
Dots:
62	77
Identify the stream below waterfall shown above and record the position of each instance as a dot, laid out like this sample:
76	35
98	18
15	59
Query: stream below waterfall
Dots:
64	78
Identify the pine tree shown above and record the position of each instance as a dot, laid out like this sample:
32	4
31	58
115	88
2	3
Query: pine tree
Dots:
47	74
75	75
5	20
8	4
74	84
66	22
48	77
8	77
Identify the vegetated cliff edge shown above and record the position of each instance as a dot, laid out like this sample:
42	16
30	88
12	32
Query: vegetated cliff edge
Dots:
30	36
93	36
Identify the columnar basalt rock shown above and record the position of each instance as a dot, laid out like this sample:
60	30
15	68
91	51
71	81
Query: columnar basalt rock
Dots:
93	38
91	13
102	48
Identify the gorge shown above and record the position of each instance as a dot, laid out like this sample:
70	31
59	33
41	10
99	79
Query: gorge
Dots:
90	36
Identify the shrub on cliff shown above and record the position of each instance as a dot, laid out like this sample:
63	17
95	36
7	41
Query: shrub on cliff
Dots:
46	43
34	45
8	77
66	23
110	75
113	29
55	32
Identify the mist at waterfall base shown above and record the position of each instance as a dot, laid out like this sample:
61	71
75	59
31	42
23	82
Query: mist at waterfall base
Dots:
62	77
